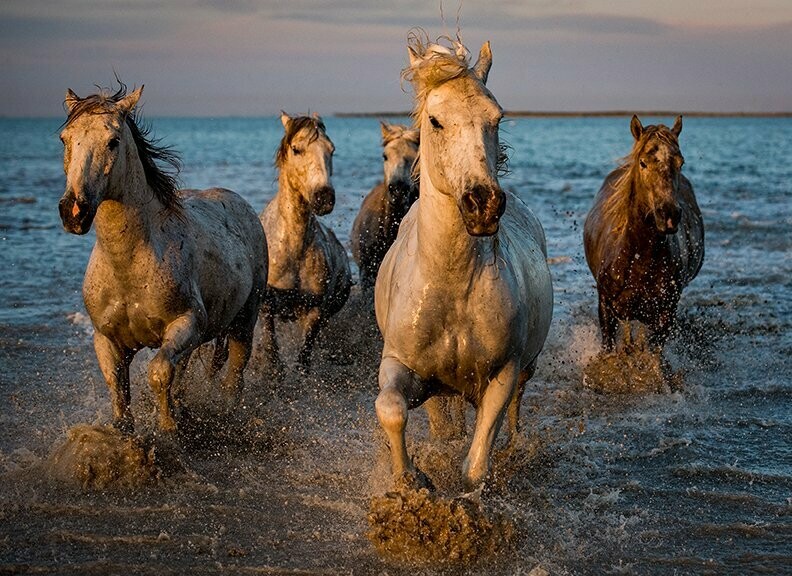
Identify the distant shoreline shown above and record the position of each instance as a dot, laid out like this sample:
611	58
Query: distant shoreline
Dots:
591	114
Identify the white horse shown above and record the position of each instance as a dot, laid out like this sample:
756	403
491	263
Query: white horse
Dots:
309	276
464	297
170	269
382	210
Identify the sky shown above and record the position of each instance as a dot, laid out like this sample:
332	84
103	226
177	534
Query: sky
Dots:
257	57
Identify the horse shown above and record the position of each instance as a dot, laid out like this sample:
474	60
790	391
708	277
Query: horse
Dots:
170	269
464	296
644	236
309	277
377	223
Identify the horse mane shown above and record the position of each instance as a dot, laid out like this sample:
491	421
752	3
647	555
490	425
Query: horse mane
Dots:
162	180
616	209
438	64
295	125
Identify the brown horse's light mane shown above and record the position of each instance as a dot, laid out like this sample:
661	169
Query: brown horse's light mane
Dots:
312	123
164	182
617	207
439	64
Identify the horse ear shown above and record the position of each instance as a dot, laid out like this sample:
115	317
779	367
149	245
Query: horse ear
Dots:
385	129
413	136
285	119
71	100
636	127
484	63
415	59
128	102
677	129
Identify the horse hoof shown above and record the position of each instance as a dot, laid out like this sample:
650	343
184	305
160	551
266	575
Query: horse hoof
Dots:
414	480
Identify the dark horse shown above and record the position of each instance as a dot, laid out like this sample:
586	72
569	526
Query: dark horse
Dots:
644	236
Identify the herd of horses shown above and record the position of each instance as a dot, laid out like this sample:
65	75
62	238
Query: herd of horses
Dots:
458	265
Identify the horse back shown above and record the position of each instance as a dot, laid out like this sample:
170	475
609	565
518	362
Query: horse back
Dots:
229	252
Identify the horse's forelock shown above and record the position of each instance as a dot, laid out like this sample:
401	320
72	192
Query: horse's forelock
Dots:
617	205
296	124
436	65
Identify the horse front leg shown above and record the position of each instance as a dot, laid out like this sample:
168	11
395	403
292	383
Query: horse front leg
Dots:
311	324
114	364
240	345
609	324
267	347
399	390
181	337
489	415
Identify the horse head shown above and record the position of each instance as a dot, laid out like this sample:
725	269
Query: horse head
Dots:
97	145
657	171
305	159
459	120
400	151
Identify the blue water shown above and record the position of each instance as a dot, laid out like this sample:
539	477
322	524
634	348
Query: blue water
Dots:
698	481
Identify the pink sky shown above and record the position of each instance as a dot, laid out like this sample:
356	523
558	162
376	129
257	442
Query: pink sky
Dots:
254	57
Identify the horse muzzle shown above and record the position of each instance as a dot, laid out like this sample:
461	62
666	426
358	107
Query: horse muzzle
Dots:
481	209
323	200
76	214
667	219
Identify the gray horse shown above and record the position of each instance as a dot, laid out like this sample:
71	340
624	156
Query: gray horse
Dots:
382	210
464	297
309	276
170	269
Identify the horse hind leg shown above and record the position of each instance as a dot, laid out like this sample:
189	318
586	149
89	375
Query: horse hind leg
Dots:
219	356
513	412
609	324
446	417
239	346
114	364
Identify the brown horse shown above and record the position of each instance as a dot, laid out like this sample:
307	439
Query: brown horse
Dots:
644	236
377	223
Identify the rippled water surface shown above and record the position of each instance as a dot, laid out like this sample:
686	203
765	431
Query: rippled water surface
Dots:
694	482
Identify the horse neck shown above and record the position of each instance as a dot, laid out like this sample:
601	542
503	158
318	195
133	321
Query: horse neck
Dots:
636	238
293	210
442	237
129	217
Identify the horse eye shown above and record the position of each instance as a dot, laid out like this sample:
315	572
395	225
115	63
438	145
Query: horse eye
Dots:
385	157
296	151
113	144
642	163
435	123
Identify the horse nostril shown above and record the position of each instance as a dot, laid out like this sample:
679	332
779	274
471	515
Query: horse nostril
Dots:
469	203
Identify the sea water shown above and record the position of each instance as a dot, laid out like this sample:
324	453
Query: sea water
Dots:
695	481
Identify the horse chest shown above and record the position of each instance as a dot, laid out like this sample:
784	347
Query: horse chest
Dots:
455	340
131	310
643	284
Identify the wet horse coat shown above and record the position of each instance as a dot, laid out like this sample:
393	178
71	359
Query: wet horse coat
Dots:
170	269
644	235
309	277
463	298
